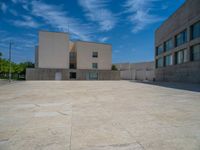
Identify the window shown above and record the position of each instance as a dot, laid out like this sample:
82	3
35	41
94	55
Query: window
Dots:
181	56
168	60
93	76
72	56
95	54
195	30
94	65
195	52
72	66
159	50
159	62
168	45
181	38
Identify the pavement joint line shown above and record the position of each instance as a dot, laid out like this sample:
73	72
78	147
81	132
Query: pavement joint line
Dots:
123	128
70	142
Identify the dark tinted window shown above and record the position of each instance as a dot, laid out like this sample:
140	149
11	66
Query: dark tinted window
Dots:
195	30
195	53
181	38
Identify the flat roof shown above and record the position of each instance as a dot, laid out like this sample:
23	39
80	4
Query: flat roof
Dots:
74	40
53	31
93	42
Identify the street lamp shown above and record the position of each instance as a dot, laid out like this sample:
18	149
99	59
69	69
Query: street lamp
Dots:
0	63
10	48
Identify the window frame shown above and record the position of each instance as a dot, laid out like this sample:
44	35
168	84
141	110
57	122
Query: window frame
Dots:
192	53
96	65
93	54
157	49
171	60
192	29
157	64
166	43
183	38
183	57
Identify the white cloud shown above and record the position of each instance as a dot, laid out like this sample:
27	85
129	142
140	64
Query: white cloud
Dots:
141	13
103	39
58	19
96	11
3	7
26	22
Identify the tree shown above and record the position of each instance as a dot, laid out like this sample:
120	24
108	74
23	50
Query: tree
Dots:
16	69
114	67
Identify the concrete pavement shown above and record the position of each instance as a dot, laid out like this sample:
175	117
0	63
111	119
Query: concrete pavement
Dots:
98	115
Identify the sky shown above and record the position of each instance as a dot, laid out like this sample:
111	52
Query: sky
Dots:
128	25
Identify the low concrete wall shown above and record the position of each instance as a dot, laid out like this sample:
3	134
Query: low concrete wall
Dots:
102	74
45	74
49	74
187	72
136	71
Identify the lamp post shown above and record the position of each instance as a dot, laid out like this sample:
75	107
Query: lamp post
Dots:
0	63
10	58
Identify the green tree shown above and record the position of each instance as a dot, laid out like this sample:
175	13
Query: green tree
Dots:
114	67
16	69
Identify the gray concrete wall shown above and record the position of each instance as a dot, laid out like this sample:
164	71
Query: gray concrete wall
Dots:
187	72
49	74
183	18
102	74
45	74
136	71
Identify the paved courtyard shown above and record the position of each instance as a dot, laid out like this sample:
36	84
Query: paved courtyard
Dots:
99	115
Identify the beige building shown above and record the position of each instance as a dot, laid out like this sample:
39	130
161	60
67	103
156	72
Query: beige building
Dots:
53	50
58	58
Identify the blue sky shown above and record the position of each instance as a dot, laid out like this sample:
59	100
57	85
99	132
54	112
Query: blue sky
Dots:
128	25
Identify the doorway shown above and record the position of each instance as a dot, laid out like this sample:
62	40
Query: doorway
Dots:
72	75
58	76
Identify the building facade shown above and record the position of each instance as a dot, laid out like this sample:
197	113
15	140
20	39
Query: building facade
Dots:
177	45
58	58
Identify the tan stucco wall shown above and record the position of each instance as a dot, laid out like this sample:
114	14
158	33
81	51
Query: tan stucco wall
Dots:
84	55
53	50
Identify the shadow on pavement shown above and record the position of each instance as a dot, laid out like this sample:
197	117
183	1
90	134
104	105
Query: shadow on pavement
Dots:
175	85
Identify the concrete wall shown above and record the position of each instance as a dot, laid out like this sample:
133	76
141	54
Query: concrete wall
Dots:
136	71
102	74
183	18
45	74
53	51
50	74
187	72
84	55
